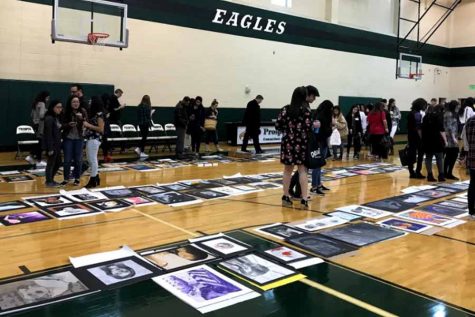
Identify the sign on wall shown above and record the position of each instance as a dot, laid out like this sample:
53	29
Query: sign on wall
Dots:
269	135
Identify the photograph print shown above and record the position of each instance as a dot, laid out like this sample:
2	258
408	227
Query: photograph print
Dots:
280	231
22	218
204	289
405	225
344	215
139	201
40	290
361	234
321	245
223	246
71	210
48	201
205	193
117	273
454	204
171	198
18	178
173	187
434	193
412	199
364	211
390	204
256	269
118	193
285	255
426	217
12	205
177	257
320	223
109	205
147	190
444	210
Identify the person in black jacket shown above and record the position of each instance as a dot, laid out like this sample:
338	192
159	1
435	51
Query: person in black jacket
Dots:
434	141
414	138
355	129
252	121
52	141
181	123
196	124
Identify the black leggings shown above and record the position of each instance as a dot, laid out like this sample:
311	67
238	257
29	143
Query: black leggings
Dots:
471	193
211	136
354	140
377	147
450	160
52	166
144	134
196	141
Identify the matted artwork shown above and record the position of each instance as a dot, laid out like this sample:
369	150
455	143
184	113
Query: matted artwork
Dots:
223	246
344	215
365	211
142	167
223	182
147	190
174	198
40	290
139	201
291	257
22	218
201	185
48	201
361	234
205	289
174	187
71	211
205	193
412	199
321	245
12	205
117	273
426	217
454	204
18	178
265	185
405	225
117	193
390	204
259	271
434	193
313	225
279	231
445	211
231	191
109	205
82	195
177	257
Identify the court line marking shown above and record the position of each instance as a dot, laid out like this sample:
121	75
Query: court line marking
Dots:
166	223
347	298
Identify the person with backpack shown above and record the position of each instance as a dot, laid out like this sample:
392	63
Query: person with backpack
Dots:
38	112
294	121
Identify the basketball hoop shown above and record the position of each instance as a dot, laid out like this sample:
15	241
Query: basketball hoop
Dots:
97	39
416	76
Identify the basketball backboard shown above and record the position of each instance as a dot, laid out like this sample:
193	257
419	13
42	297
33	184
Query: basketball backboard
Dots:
75	20
409	66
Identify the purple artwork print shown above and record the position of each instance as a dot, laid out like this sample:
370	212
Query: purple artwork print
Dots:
25	217
201	284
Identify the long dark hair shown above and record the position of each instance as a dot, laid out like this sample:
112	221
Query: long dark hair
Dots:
297	103
469	102
41	97
378	107
146	101
325	109
51	106
350	113
97	106
69	108
452	106
419	104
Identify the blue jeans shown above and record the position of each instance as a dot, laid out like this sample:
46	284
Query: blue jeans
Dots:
317	172
72	150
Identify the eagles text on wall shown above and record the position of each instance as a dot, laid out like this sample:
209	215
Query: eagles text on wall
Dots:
248	21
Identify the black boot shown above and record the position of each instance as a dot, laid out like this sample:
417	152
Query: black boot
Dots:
286	201
304	204
92	182
441	178
98	180
431	178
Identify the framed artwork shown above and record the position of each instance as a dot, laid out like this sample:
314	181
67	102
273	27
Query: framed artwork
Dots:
139	201
117	193
426	217
321	245
205	193
405	225
71	211
224	246
173	198
174	187
48	201
291	257
280	231
18	178
23	218
12	205
391	205
177	257
147	190
109	205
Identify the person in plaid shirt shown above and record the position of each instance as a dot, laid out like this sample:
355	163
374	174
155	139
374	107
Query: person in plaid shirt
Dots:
470	147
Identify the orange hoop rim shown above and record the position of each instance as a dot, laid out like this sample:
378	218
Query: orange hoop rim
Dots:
95	36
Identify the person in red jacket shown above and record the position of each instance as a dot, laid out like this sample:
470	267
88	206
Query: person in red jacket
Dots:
377	128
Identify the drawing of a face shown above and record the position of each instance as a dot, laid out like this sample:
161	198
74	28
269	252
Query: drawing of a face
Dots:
224	245
33	293
52	200
109	204
119	271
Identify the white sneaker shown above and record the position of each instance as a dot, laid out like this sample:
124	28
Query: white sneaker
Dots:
41	164
143	155
137	150
30	160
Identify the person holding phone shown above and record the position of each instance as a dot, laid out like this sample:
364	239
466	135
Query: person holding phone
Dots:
73	141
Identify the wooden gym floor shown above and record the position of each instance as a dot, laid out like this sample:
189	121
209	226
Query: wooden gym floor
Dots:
415	275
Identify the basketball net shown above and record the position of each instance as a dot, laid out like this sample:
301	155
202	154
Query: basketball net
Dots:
98	40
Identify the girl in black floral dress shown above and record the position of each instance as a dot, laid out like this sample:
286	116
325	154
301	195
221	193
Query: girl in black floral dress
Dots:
294	121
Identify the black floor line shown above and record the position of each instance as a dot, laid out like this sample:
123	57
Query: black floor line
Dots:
454	239
24	269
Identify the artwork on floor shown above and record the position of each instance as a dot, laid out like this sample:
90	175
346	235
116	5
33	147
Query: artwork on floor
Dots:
205	193
412	199
259	271
48	201
142	167
40	290
454	204
204	289
344	215
174	198
405	225
459	187
365	212
231	191
147	190
173	187
201	185
321	245
117	193
177	257
445	211
18	178
390	204
139	201
82	195
12	205
22	218
223	182
426	217
291	257
313	225
361	234
109	205
117	273
279	231
71	211
434	193
265	185
223	246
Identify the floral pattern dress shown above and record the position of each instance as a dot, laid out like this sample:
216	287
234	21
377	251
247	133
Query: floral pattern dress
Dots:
295	135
